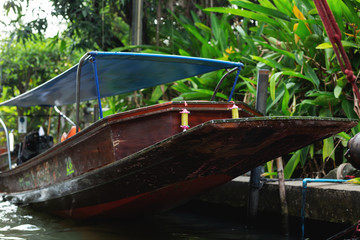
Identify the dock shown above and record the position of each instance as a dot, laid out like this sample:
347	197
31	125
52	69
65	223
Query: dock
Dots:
328	202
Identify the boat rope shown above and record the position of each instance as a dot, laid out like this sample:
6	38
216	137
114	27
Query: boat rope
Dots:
97	85
220	82
235	82
334	35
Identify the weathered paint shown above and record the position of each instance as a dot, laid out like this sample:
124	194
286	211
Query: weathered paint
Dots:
151	153
122	134
148	202
69	166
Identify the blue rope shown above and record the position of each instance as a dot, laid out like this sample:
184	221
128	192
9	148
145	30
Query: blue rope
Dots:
233	88
305	181
97	86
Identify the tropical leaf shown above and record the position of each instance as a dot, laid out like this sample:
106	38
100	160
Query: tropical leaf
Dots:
219	34
299	156
345	44
292	164
180	86
283	52
350	14
310	73
344	135
285	103
298	14
268	61
209	93
354	181
194	96
267	4
273	81
337	91
183	52
328	149
261	9
158	92
348	109
279	93
203	27
244	13
195	33
284	6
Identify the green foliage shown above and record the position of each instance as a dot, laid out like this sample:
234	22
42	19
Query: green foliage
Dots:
23	67
217	41
27	65
300	156
94	25
289	39
22	31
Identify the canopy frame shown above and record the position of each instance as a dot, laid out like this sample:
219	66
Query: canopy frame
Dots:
115	73
91	56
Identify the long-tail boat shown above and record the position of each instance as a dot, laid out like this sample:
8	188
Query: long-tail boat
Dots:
148	160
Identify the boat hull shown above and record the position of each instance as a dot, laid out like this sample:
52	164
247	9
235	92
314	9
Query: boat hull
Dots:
176	169
109	140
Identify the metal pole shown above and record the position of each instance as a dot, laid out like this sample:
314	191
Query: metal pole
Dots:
78	76
261	91
96	112
136	23
136	28
7	141
64	116
303	202
261	96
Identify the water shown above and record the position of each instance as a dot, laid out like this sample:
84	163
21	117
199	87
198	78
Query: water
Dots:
188	223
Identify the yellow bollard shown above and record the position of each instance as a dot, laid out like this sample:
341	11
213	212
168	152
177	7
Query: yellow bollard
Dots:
185	119
234	111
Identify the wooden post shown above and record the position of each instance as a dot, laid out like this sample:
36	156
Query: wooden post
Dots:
136	23
282	192
49	122
96	112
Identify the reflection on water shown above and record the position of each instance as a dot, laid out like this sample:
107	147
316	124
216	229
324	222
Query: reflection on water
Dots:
23	223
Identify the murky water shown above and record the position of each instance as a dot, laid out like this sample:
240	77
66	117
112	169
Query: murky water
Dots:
18	223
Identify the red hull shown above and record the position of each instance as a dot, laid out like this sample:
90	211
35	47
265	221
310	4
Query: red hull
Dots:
149	202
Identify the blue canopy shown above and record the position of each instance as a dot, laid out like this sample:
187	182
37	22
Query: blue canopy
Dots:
117	73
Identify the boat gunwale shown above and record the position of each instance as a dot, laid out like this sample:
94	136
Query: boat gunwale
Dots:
114	119
107	121
212	123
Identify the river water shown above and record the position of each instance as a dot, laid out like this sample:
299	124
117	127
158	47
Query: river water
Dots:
18	223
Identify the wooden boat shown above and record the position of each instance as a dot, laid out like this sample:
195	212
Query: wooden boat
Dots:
142	162
4	162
